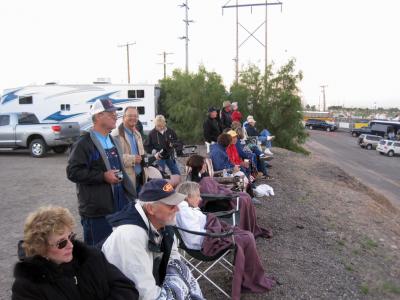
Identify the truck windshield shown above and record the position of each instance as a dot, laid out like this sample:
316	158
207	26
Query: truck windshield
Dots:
25	118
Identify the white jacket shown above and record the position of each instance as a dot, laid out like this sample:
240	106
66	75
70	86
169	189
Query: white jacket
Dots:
127	249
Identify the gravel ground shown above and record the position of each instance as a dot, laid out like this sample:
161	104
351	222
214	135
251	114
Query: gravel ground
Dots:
333	237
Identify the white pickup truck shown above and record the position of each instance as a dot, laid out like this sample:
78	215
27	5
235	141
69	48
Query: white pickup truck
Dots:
23	130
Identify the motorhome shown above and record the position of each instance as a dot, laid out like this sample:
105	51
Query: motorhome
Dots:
71	103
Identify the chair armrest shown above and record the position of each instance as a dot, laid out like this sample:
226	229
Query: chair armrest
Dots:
215	197
209	234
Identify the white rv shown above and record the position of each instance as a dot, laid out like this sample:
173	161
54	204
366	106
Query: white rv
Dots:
71	103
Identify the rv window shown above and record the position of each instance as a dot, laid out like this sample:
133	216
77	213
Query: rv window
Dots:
25	100
140	93
25	118
4	120
131	94
65	107
62	107
141	110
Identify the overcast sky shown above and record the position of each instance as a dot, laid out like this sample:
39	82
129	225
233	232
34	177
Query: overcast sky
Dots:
351	46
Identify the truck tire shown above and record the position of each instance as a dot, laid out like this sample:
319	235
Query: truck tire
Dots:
328	129
60	149
369	147
390	153
354	134
38	148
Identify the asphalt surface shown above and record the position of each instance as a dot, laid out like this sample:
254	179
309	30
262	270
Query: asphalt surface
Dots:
381	173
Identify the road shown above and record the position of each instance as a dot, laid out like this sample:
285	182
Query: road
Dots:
378	172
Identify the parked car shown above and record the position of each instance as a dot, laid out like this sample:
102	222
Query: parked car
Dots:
23	130
319	124
388	147
368	141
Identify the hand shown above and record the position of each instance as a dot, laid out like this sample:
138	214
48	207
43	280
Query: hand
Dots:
111	177
138	159
157	156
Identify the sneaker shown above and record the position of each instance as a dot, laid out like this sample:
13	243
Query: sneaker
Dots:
268	152
265	157
255	201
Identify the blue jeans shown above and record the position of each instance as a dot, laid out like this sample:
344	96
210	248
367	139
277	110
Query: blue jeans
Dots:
263	137
95	230
171	164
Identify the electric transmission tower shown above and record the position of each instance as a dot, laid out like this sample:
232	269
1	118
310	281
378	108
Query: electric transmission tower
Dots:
186	37
250	33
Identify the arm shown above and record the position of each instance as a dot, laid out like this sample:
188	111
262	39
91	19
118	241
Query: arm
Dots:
192	219
120	286
148	143
206	132
79	168
23	289
126	248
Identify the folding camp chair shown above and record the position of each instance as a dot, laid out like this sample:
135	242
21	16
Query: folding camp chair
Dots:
220	206
202	264
234	182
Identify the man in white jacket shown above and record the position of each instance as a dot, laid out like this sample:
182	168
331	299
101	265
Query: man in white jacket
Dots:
142	244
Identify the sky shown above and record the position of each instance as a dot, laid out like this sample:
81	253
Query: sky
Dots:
352	47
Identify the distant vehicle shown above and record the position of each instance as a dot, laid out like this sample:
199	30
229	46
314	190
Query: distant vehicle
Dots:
59	103
368	141
378	127
23	130
319	124
388	147
318	115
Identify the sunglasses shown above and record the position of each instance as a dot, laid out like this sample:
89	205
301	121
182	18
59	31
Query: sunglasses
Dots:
61	244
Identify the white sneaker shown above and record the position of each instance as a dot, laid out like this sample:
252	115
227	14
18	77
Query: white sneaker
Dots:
268	152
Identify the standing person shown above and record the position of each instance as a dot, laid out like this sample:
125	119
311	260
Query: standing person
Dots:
211	126
226	115
143	246
236	114
95	165
132	146
53	265
162	138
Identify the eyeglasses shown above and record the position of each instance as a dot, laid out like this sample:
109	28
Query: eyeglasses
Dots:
61	244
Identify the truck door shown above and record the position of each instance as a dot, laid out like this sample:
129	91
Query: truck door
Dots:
7	132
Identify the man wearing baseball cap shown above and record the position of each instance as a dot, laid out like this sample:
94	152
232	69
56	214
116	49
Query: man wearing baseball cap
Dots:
95	165
226	115
142	244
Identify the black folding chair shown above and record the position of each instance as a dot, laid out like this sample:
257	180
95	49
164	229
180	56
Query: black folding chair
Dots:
220	206
202	264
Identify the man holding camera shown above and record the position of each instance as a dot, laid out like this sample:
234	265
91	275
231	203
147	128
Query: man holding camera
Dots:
132	147
95	165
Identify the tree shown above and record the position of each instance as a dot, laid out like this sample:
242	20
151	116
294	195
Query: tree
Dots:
273	100
185	98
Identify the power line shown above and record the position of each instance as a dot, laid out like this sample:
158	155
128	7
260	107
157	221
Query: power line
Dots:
251	34
186	37
164	54
127	58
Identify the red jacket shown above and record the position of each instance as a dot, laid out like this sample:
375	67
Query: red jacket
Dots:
236	116
233	154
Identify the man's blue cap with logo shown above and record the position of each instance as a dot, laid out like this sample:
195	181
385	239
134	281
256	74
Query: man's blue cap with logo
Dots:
160	190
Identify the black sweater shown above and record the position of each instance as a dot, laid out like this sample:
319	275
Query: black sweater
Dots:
88	276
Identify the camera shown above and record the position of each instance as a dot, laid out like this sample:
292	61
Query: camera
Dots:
119	175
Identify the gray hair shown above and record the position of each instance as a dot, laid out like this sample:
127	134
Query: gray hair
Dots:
188	188
143	203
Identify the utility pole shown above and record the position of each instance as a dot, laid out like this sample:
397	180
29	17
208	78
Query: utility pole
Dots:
186	37
164	54
250	34
127	58
323	96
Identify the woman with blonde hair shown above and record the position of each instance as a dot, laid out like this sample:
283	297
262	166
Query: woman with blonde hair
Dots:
161	142
53	265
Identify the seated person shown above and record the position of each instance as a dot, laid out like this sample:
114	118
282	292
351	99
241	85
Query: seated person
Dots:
143	247
264	136
248	273
53	265
235	158
219	157
248	220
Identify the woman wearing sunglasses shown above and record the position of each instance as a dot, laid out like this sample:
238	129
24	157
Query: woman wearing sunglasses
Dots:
53	265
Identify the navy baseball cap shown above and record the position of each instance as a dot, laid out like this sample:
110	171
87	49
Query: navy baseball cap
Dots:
101	105
211	109
160	190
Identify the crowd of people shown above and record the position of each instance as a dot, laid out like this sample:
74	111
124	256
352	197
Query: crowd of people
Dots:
130	193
